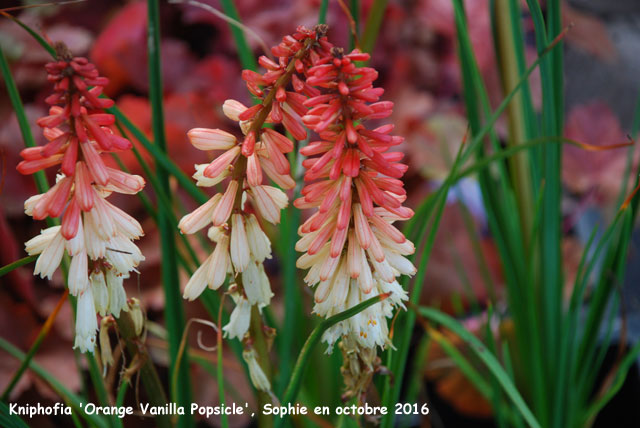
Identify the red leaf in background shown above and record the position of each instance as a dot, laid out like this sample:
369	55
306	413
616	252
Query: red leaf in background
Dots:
17	187
182	112
439	16
214	78
138	110
119	52
582	171
451	252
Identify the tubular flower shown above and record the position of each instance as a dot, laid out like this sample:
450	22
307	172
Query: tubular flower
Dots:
351	248
96	234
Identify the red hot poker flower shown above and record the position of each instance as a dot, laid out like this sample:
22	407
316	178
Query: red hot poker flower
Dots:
350	244
97	235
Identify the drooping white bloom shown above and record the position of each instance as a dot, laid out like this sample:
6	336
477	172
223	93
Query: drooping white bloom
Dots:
86	322
117	295
373	257
258	377
204	181
220	263
50	245
100	292
256	285
199	218
239	244
123	254
103	243
259	243
78	273
240	318
198	281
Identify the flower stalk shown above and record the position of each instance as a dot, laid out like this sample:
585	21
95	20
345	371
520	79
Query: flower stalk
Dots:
148	374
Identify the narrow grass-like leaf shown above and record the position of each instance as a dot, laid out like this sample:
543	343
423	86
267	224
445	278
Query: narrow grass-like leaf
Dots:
322	12
9	420
73	400
461	362
247	59
486	357
372	27
15	265
174	312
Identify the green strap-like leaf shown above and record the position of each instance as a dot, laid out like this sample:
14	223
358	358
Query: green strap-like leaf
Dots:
478	348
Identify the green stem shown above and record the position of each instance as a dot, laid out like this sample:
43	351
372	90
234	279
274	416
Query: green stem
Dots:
150	379
372	27
260	345
122	393
293	307
174	313
519	164
322	13
220	367
354	7
15	265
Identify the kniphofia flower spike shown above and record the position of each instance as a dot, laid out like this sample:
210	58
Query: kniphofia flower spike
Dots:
234	215
96	234
351	248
